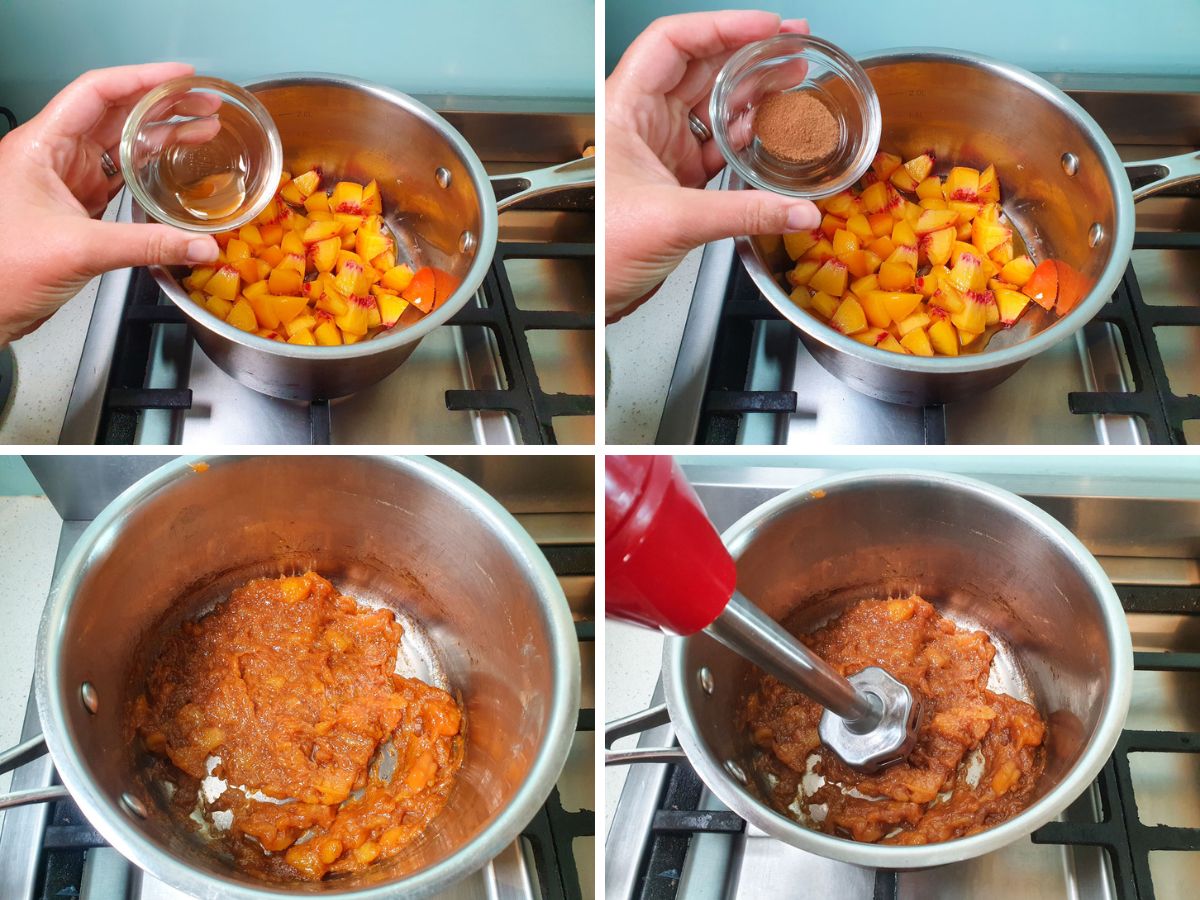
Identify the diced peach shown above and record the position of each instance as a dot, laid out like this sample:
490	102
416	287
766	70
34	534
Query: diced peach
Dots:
287	308
347	197
917	342
370	240
972	318
251	236
242	316
937	246
881	224
903	181
307	182
860	226
372	202
801	273
824	304
326	332
831	224
224	283
949	298
966	210
303	321
875	309
1011	304
920	167
883	246
821	250
303	337
248	271
860	263
391	307
906	254
333	301
890	343
798	243
916	320
962	184
934	220
830	278
352	279
899	305
843	241
285	281
320	231
880	197
968	274
885	164
943	337
1003	254
198	277
903	235
218	306
354	320
800	295
988	300
264	311
930	188
987	236
871	336
849	317
861	286
936	203
324	253
989	185
384	261
843	204
258	288
1042	286
896	276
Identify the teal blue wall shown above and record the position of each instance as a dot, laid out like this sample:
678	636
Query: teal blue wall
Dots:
15	478
1130	36
542	48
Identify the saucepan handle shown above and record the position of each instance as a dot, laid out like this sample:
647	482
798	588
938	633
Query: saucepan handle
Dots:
18	756
1150	176
634	724
521	186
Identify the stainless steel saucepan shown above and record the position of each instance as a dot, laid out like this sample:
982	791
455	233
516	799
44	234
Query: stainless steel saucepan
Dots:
986	559
481	606
1062	185
437	200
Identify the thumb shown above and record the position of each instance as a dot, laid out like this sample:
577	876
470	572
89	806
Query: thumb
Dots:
117	245
703	216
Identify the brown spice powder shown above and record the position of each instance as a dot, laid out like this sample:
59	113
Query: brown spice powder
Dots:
796	126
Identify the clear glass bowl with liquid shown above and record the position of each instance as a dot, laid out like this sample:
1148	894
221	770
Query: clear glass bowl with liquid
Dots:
796	62
202	154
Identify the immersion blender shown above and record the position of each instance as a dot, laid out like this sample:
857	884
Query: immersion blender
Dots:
665	567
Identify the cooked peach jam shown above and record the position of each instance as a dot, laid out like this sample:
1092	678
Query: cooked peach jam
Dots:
280	722
978	755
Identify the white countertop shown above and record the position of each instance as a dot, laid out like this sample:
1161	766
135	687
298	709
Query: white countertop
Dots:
29	529
633	661
46	363
641	349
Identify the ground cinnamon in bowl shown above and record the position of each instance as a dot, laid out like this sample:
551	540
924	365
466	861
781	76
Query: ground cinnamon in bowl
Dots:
796	126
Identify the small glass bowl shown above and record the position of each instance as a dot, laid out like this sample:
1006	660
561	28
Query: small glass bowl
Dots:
789	62
201	154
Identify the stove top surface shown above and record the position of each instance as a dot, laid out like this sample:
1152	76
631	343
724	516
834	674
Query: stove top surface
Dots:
742	375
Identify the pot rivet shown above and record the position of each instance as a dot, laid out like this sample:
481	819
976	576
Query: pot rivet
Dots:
91	700
443	177
1095	234
735	770
466	242
704	676
1070	163
133	805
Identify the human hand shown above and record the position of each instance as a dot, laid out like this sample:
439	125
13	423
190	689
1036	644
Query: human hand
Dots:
53	188
656	209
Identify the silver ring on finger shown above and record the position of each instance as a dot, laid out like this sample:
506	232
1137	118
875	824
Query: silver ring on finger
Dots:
699	129
107	164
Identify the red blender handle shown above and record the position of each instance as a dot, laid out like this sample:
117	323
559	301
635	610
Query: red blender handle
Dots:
664	563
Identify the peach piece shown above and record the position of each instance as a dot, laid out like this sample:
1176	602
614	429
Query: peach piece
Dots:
916	320
935	203
843	204
326	333
920	167
967	274
849	317
1011	304
971	318
903	235
198	277
801	273
881	224
324	253
821	250
885	164
962	184
372	202
989	185
875	309
264	311
303	337
347	197
903	180
247	270
930	188
871	336
1072	287
830	278
896	276
860	263
987	236
422	290
864	284
1042	286
934	220
354	320
224	283
285	281
987	300
949	298
824	304
905	254
890	343
384	261
294	262
843	242
257	289
882	246
937	246
899	305
317	203
917	342
218	306
830	225
251	235
859	226
287	308
242	316
320	231
307	183
1003	254
798	243
880	197
943	337
800	295
352	279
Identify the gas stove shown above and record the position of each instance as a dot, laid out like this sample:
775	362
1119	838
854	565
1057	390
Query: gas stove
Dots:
516	365
50	851
1129	377
1134	835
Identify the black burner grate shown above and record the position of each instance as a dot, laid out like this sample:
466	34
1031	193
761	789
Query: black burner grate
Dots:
126	397
1163	412
69	836
1127	841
